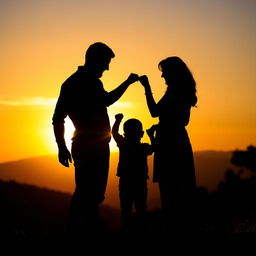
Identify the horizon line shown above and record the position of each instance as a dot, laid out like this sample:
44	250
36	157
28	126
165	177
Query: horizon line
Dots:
112	152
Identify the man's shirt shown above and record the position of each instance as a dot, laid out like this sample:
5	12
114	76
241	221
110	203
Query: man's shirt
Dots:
84	100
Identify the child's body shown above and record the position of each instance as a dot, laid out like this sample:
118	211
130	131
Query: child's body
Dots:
132	168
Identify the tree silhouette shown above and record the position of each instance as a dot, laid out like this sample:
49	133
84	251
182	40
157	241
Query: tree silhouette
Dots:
245	158
237	194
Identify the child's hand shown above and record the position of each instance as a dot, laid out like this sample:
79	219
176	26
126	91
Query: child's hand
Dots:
150	133
119	117
151	130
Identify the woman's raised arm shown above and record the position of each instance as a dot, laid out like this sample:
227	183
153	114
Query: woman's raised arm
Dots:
152	106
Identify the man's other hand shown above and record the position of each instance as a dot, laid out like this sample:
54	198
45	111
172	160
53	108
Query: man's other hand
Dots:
64	157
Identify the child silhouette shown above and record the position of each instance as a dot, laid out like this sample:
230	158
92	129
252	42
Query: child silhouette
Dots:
132	169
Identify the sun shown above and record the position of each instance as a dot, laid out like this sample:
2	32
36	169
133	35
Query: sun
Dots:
69	132
113	146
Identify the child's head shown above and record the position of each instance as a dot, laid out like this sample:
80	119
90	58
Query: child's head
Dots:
133	129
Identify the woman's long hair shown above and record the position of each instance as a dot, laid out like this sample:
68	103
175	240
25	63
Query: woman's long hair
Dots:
180	80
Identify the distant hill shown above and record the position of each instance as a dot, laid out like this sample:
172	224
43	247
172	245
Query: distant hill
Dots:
45	171
33	214
211	167
29	211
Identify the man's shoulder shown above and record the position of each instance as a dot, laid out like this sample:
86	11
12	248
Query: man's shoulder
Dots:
71	79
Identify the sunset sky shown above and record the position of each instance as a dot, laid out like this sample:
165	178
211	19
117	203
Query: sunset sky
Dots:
43	42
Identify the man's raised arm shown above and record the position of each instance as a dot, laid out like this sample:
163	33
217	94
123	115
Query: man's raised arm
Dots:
114	95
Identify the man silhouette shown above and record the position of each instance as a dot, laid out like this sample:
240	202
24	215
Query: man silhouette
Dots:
84	100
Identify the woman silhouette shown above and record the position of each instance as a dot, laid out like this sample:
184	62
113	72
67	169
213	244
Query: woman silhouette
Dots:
173	160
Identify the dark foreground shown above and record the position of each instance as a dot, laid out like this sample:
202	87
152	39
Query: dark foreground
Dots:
33	217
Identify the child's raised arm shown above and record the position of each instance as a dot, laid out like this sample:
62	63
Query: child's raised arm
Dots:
116	125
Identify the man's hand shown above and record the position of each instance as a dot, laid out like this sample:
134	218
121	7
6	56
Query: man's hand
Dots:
64	156
132	78
119	117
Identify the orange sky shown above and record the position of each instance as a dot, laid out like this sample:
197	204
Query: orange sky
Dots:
43	42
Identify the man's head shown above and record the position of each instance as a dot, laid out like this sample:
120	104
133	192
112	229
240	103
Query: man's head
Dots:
133	129
98	57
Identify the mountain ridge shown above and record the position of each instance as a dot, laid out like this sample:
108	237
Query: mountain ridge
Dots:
46	172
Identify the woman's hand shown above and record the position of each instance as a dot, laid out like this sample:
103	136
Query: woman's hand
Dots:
144	81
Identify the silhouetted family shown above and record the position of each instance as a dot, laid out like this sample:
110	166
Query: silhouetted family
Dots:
84	100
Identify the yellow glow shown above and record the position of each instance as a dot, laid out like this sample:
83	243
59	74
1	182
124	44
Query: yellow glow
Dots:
43	43
69	130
